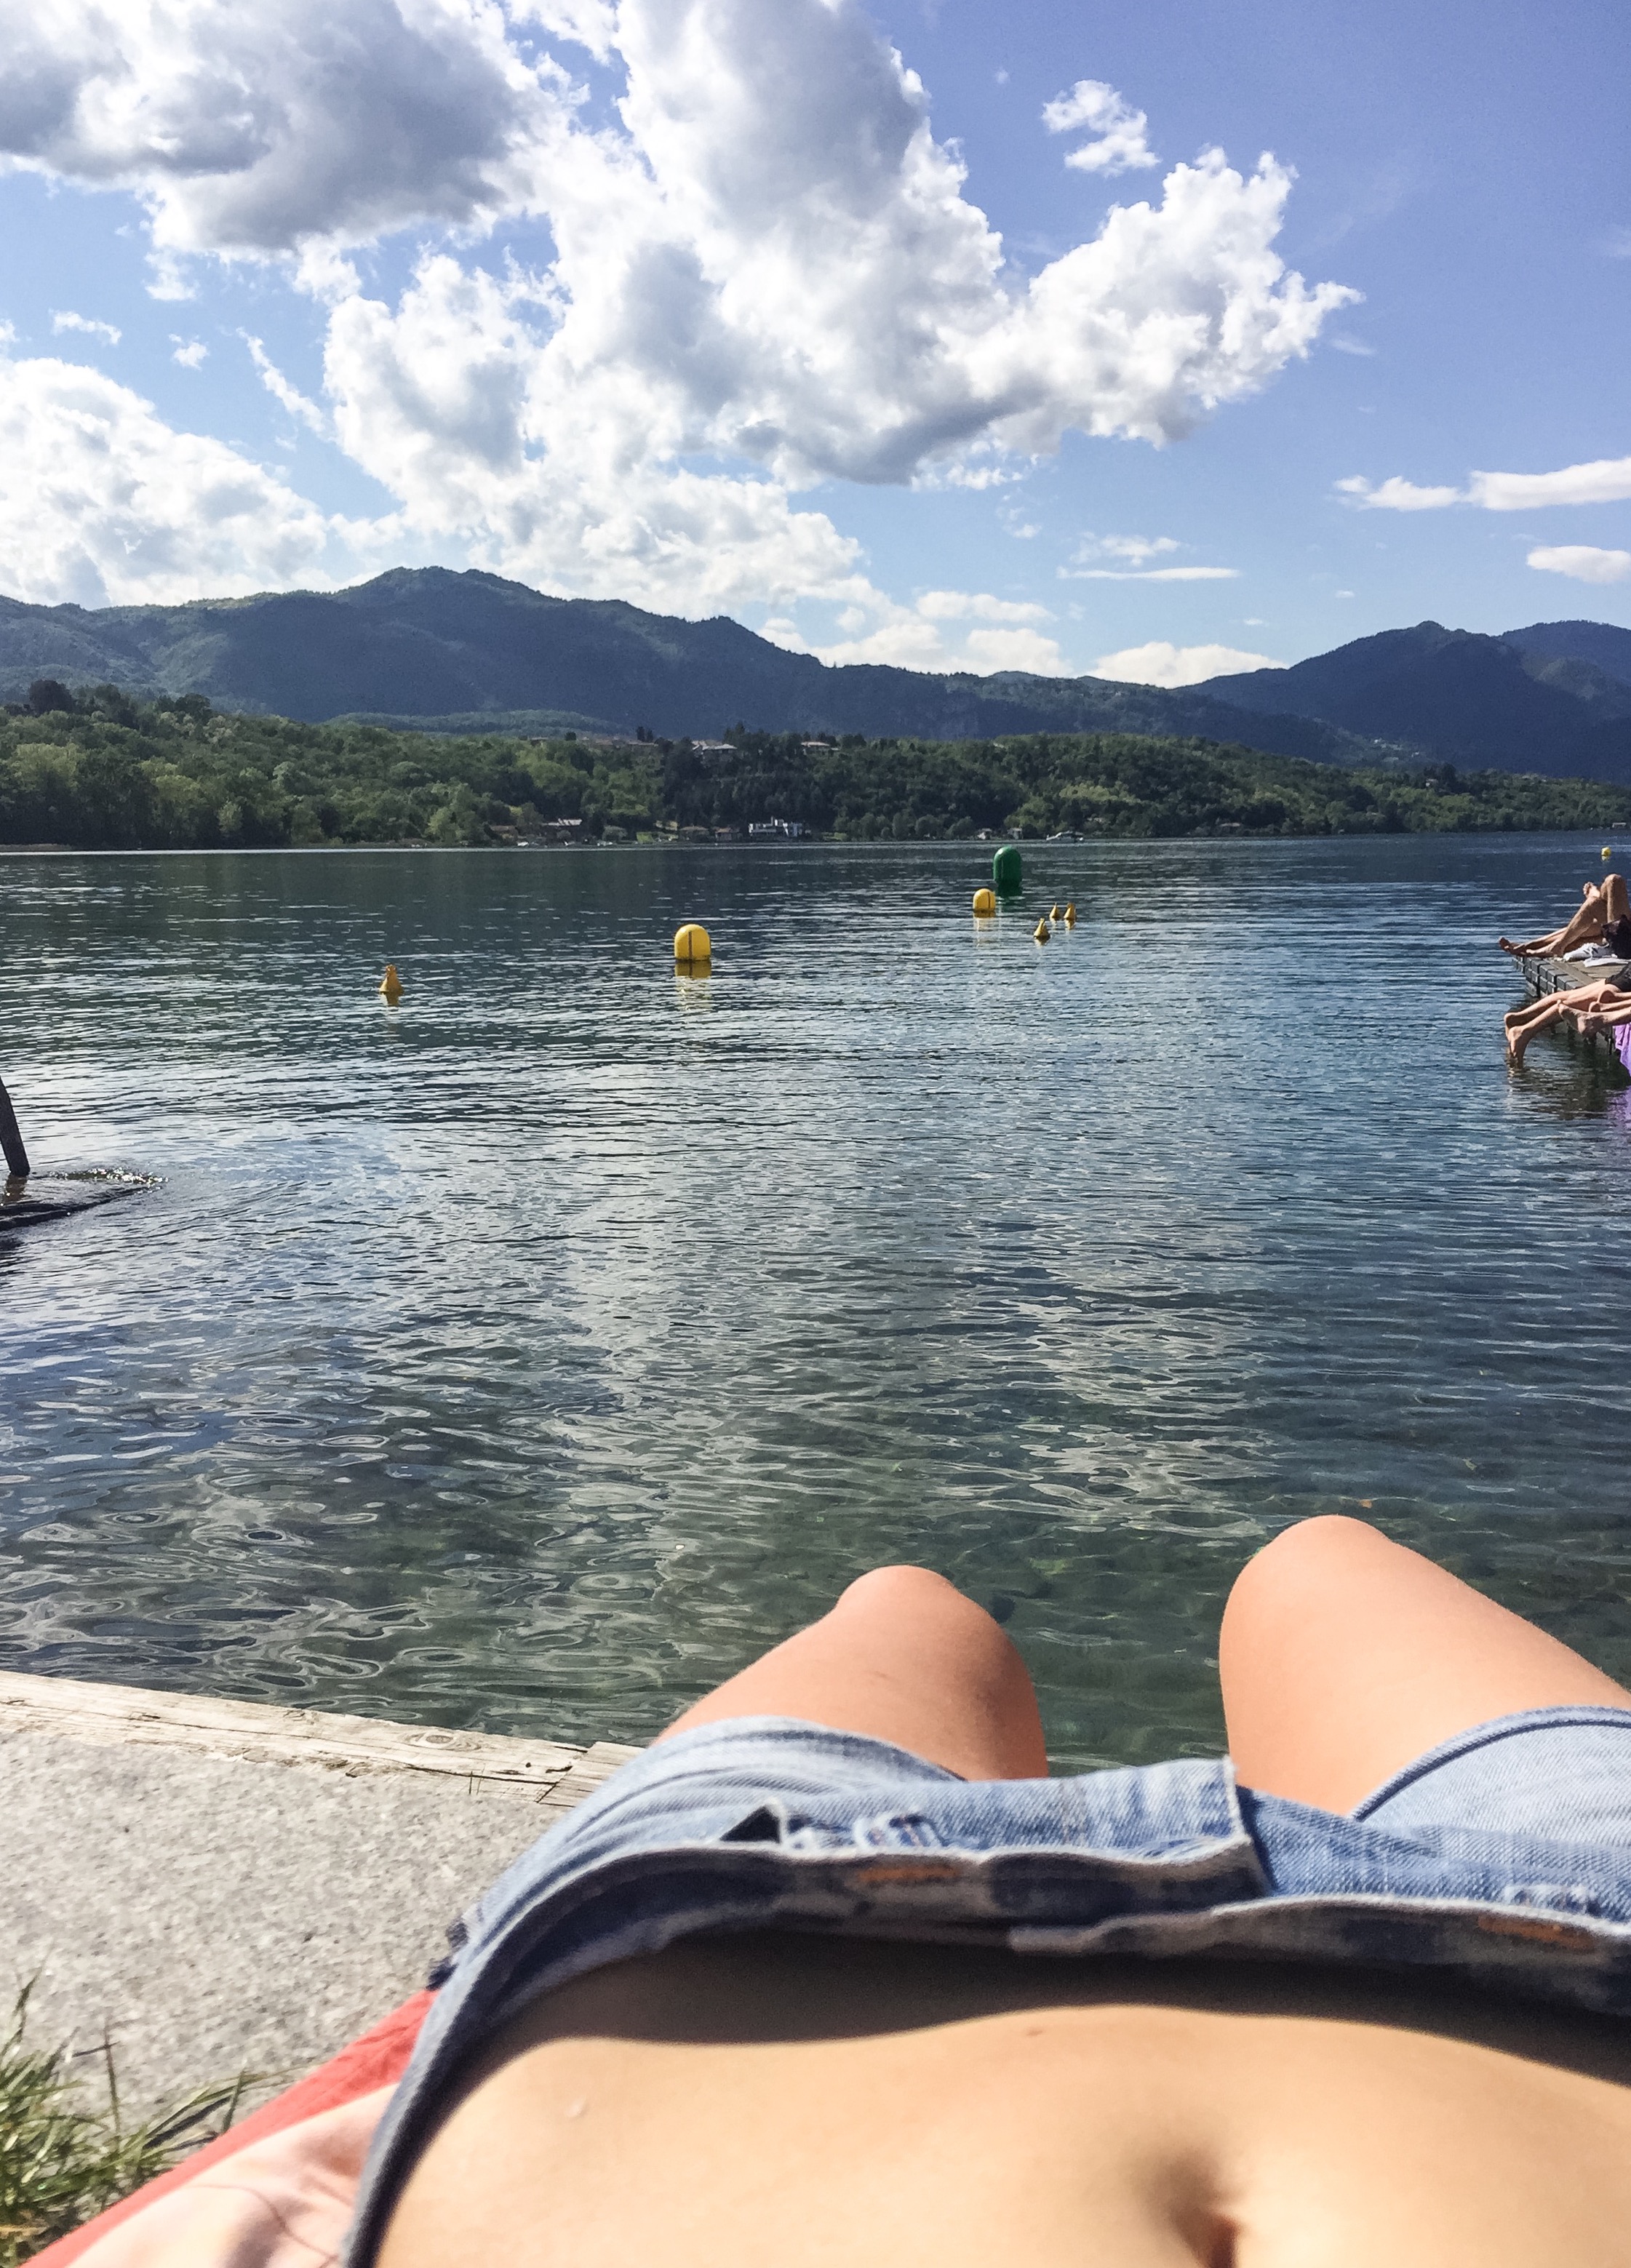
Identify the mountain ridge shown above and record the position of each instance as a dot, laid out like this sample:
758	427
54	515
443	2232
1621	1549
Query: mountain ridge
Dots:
429	645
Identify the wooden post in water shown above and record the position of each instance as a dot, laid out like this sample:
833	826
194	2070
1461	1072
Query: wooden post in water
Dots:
11	1140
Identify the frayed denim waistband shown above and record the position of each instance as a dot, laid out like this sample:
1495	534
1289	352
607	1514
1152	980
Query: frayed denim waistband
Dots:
770	1823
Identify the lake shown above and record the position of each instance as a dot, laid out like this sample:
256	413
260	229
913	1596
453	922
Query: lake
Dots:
530	1355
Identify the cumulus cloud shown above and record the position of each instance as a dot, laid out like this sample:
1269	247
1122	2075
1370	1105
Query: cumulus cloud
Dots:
1584	561
1606	480
1000	634
763	270
1119	144
1161	663
190	353
101	502
63	318
247	128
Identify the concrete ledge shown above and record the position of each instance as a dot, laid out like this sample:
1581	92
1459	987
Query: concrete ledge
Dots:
132	1716
216	1886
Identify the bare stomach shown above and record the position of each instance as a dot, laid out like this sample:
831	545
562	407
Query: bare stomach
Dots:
784	2102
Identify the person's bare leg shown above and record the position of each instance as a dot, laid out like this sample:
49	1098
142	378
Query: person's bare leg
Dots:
1590	920
1343	1656
1522	1027
1522	1024
1593	917
905	1657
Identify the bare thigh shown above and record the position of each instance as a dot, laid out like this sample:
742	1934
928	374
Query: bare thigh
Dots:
1343	1656
902	1657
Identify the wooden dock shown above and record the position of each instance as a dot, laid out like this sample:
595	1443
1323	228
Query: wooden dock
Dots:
1545	976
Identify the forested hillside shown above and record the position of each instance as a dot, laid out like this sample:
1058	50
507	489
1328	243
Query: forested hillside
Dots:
100	770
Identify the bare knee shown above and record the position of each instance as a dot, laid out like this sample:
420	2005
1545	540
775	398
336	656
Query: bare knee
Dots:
910	1594
1314	1554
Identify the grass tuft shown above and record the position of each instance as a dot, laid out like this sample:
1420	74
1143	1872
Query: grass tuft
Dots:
63	2162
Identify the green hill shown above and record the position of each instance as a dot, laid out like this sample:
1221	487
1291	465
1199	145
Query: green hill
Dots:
104	770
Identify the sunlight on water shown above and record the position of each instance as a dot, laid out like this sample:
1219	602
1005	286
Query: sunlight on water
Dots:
531	1355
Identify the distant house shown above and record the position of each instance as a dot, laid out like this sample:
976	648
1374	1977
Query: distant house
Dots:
714	752
786	830
562	830
816	748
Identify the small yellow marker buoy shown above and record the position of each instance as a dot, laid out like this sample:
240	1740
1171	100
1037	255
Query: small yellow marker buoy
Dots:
1608	849
1042	932
693	948
1053	912
391	984
984	903
1070	915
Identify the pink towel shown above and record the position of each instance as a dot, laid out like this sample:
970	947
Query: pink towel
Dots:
367	2070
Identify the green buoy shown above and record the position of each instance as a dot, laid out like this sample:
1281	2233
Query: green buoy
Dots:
1005	871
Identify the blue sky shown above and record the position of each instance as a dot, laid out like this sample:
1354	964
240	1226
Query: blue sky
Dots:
685	302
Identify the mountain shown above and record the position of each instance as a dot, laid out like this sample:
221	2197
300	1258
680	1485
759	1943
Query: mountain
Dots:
1605	645
1456	695
429	646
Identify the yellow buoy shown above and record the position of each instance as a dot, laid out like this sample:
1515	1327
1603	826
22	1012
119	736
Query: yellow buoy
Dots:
1608	849
1070	915
1054	913
984	903
692	945
1042	932
391	984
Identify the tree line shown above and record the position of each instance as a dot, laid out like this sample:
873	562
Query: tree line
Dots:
98	769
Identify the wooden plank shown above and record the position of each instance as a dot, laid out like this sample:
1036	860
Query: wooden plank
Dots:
560	1772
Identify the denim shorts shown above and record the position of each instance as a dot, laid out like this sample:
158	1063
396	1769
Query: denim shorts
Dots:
1502	1859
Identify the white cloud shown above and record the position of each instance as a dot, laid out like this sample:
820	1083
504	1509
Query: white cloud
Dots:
1395	495
101	503
63	318
1159	663
1150	574
282	390
190	353
877	629
1119	144
1617	244
1606	481
764	273
959	606
246	127
1345	342
1135	550
1583	561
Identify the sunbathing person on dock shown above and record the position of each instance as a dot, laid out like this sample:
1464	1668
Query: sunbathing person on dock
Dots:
1604	995
1604	916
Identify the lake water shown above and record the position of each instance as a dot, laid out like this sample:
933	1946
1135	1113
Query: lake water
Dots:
531	1355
